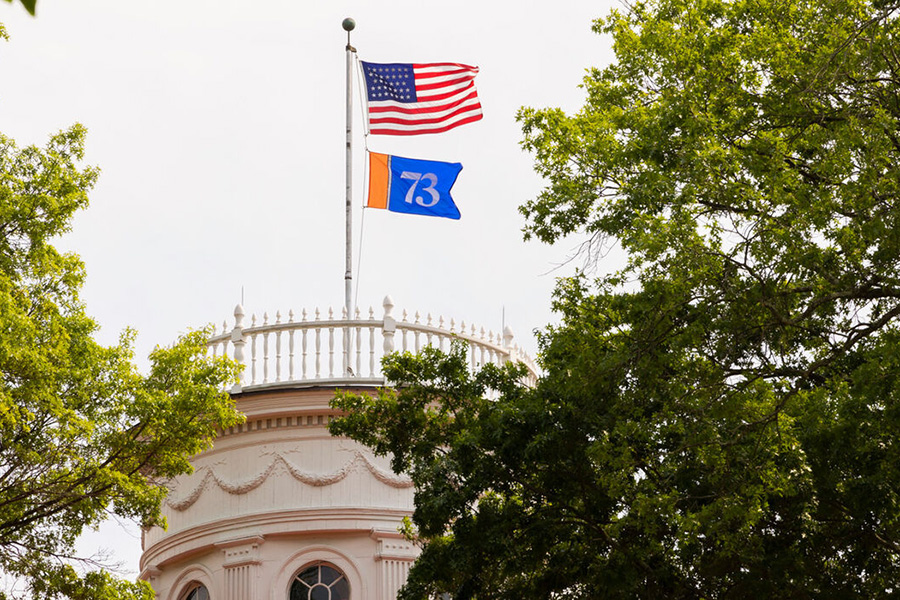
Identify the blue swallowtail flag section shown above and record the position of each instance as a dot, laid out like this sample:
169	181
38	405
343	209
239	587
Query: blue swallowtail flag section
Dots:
410	99
412	186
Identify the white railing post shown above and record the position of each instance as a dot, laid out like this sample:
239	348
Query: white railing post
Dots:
331	343
318	331
508	344
278	347
253	337
237	339
265	348
390	325
345	337
358	344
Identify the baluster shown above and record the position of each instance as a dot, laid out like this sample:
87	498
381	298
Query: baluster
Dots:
462	330
291	346
358	346
226	340
237	336
253	351
212	348
331	343
371	343
388	328
346	343
511	350
472	356
492	352
318	346
441	336
481	364
303	346
428	335
405	348
277	347
371	351
266	348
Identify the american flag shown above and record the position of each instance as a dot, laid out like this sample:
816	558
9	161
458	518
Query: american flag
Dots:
409	99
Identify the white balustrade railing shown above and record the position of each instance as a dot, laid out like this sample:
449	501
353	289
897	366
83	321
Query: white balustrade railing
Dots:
323	349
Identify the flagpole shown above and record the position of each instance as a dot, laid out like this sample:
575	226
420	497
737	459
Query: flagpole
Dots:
349	24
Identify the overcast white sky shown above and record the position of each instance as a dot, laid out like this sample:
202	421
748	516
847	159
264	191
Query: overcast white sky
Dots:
219	129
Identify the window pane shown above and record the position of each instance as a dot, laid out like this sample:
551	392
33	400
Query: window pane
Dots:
340	590
327	574
309	576
198	593
319	592
299	591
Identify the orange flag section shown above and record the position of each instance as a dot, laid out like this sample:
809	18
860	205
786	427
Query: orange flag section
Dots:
379	180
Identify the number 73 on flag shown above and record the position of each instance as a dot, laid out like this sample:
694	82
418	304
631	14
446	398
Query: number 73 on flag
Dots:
412	186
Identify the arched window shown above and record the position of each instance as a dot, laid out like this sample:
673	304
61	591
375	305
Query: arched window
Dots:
198	592
320	581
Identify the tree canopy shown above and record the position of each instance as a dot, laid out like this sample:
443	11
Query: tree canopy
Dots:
719	418
82	433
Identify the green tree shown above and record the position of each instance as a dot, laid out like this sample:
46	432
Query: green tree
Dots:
82	433
721	417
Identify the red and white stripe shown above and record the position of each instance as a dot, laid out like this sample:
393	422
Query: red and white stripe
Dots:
446	98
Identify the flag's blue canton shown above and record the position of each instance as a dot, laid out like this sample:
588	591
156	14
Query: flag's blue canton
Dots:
393	81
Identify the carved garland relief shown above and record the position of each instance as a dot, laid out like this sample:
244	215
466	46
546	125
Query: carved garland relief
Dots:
313	479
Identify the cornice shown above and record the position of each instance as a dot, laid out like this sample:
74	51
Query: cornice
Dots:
210	536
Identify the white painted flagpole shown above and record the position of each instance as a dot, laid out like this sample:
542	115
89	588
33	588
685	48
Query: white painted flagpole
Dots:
348	25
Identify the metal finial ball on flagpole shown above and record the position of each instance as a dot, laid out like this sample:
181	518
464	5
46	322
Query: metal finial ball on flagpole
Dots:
348	24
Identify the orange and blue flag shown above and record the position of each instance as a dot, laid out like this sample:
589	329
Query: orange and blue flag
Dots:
412	186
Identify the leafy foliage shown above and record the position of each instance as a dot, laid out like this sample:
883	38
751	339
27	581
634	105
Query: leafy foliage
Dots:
720	418
82	433
30	5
